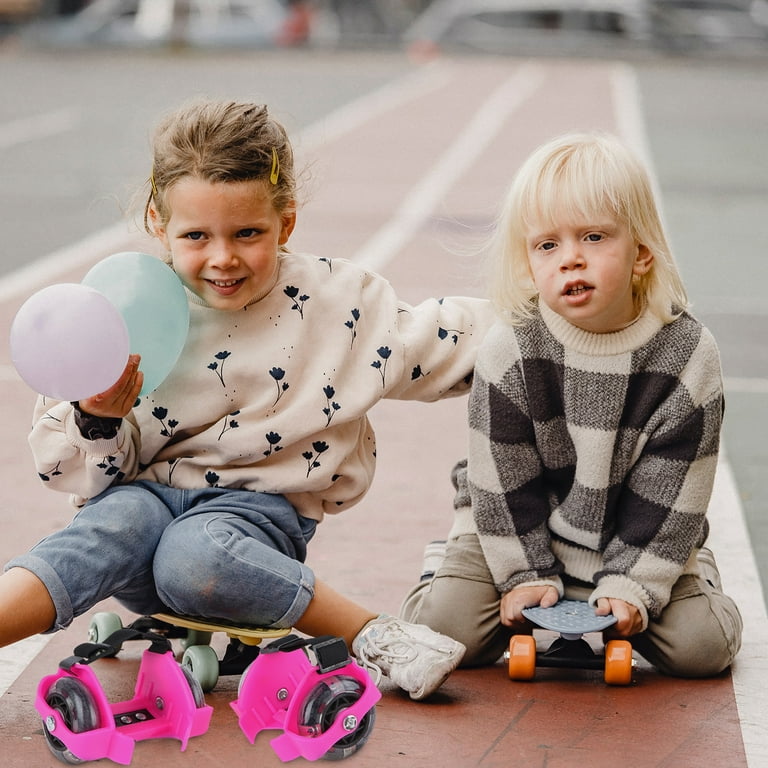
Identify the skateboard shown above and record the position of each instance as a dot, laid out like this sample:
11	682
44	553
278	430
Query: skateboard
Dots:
571	619
195	636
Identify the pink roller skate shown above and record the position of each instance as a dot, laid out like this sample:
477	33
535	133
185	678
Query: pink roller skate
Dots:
312	690
80	724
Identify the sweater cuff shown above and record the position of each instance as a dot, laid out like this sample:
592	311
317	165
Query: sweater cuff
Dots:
623	588
95	427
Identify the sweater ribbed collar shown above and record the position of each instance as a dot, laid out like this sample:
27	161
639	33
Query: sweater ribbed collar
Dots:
627	339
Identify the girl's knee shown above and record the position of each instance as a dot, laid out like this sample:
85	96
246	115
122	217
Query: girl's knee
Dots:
203	567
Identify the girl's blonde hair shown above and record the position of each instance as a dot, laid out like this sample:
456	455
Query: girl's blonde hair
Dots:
220	141
581	176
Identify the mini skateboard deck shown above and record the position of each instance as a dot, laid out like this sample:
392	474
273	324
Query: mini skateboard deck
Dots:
246	635
571	619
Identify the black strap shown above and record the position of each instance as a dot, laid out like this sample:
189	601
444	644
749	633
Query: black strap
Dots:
87	653
327	652
292	643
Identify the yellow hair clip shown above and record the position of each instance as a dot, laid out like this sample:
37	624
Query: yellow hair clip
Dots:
275	172
152	182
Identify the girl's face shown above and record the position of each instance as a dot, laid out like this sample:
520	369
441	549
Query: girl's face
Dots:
583	270
223	238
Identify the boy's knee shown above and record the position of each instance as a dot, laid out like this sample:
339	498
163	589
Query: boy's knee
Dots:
434	604
697	656
700	637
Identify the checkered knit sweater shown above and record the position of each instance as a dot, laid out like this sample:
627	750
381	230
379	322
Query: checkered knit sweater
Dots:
592	456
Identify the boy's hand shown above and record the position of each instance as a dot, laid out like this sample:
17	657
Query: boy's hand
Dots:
629	621
512	604
118	400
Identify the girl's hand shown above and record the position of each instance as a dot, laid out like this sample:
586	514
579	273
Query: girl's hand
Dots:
512	604
630	621
118	400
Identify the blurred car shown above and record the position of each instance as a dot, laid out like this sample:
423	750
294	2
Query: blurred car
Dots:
251	23
534	26
684	25
591	27
18	10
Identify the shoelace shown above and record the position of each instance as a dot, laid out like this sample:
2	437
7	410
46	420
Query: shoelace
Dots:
383	648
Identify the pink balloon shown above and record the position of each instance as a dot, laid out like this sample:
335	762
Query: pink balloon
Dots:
69	342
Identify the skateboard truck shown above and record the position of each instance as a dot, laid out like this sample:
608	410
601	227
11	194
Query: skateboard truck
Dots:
571	619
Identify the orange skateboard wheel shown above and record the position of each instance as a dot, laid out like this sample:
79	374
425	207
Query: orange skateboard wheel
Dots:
522	657
618	662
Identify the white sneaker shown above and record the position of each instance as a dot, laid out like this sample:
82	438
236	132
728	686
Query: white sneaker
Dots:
411	655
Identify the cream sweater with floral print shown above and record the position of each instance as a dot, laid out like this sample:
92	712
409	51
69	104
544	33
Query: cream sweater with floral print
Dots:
274	397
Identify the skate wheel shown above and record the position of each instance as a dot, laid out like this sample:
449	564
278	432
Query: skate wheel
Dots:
203	663
323	705
195	688
618	662
77	708
522	657
102	626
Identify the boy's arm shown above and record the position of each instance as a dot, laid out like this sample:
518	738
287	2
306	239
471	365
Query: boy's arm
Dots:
662	510
505	473
512	604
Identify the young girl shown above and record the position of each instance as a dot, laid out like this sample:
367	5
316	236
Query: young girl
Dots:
594	419
201	496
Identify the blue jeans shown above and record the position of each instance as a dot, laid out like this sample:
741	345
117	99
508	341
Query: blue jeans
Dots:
231	555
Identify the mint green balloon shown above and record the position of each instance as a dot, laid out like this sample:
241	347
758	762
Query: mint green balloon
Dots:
153	303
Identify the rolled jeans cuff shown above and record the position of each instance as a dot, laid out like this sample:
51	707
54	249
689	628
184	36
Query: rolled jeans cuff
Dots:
54	585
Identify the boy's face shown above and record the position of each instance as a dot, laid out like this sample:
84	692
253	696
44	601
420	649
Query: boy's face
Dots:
223	239
583	270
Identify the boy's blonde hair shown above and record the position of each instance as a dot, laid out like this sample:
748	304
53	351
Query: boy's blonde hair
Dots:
581	176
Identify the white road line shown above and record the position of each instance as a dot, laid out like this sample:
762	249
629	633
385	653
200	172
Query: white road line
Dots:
729	537
38	127
15	658
730	542
630	120
473	140
366	108
26	280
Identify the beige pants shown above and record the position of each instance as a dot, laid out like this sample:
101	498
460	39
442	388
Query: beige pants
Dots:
697	635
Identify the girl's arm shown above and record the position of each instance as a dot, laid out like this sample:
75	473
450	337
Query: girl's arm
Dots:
83	448
437	344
